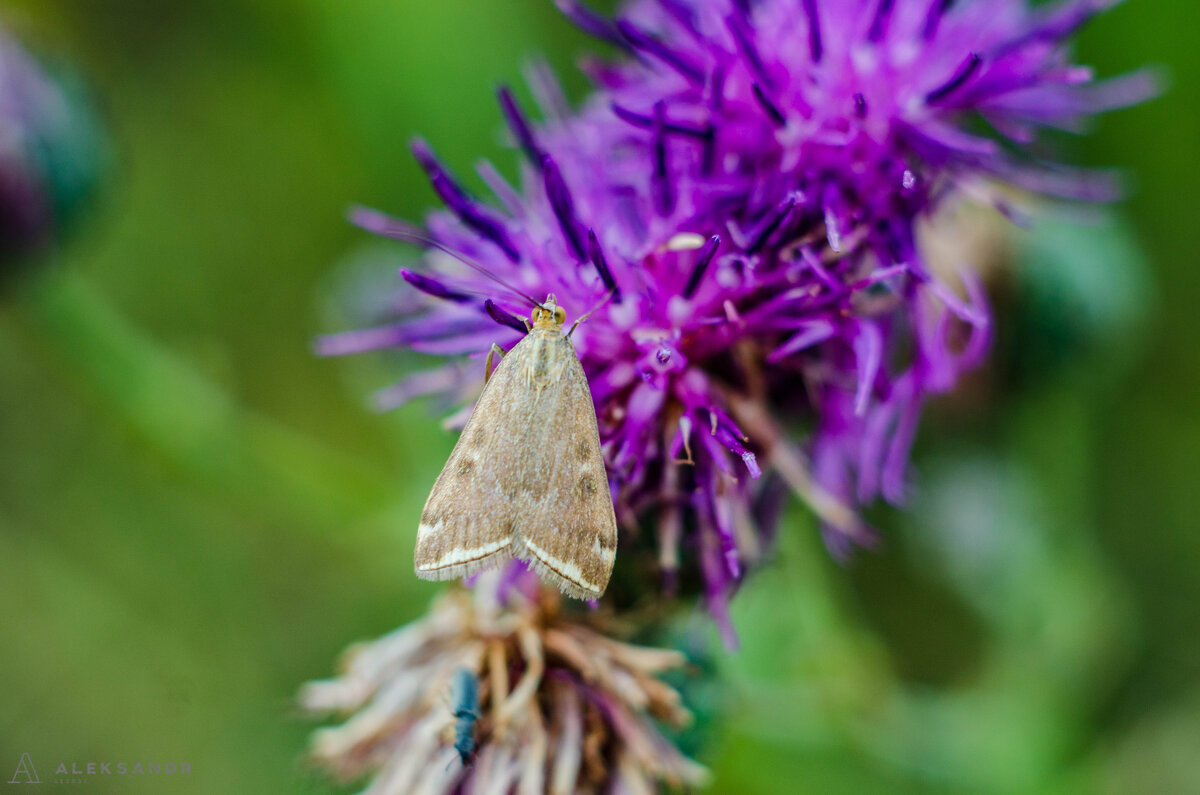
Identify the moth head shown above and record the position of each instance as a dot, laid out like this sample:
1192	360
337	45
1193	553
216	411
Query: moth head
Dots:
548	314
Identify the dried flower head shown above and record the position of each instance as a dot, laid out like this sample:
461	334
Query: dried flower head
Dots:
562	708
745	183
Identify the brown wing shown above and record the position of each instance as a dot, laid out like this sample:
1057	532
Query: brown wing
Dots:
467	523
564	524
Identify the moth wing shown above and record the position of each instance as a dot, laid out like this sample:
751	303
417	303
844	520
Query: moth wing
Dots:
467	523
566	527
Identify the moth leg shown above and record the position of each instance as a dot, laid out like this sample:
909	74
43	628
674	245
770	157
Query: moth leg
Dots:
588	314
528	328
579	320
487	366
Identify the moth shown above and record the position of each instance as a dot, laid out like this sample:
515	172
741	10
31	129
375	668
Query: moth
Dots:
526	478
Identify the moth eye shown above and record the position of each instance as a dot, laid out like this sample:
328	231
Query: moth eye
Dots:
560	315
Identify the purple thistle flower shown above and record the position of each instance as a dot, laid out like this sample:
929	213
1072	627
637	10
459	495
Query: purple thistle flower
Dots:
745	184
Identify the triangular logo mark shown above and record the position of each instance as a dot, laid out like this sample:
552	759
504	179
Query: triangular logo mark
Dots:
26	769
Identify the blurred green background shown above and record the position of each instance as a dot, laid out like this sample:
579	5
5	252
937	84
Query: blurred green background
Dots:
197	514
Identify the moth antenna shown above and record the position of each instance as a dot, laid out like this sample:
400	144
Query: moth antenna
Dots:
608	296
382	224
